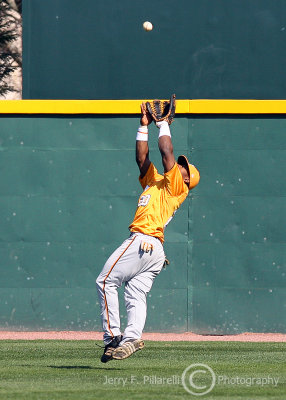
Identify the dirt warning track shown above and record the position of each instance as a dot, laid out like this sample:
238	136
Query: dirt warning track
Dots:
186	336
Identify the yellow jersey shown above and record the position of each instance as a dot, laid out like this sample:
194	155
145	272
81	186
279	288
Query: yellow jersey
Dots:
162	196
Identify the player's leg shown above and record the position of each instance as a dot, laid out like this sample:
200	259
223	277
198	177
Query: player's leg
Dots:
135	294
115	271
136	305
108	297
137	288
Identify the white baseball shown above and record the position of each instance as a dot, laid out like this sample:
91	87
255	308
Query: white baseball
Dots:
147	26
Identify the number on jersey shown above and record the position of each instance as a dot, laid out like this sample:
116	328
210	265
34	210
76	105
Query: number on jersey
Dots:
144	200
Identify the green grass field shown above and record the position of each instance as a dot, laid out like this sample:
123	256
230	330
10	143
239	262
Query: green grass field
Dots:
72	370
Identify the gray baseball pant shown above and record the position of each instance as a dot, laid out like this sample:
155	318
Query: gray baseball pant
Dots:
137	269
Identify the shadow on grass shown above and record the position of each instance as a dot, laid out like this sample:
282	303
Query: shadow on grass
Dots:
72	367
81	367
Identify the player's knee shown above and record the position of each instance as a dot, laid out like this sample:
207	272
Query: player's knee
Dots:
99	282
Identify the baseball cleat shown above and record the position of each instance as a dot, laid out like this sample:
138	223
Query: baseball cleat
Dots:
109	349
127	348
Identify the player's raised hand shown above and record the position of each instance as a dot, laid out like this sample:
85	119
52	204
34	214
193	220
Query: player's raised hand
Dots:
146	118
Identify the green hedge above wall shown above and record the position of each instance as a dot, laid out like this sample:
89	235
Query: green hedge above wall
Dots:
223	49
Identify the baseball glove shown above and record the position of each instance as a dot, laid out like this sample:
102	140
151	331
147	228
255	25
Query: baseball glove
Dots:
162	110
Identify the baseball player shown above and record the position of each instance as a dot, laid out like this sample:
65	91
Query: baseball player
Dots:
141	257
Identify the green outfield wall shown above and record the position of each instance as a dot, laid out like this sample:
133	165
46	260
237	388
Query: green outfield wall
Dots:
69	182
68	191
199	49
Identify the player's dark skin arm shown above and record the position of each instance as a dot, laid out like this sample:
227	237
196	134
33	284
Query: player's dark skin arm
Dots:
168	159
142	157
166	150
165	147
142	149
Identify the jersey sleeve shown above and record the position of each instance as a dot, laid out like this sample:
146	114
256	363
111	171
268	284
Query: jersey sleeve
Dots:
150	177
174	182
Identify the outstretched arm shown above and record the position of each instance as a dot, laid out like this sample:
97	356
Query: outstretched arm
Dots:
166	146
142	149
